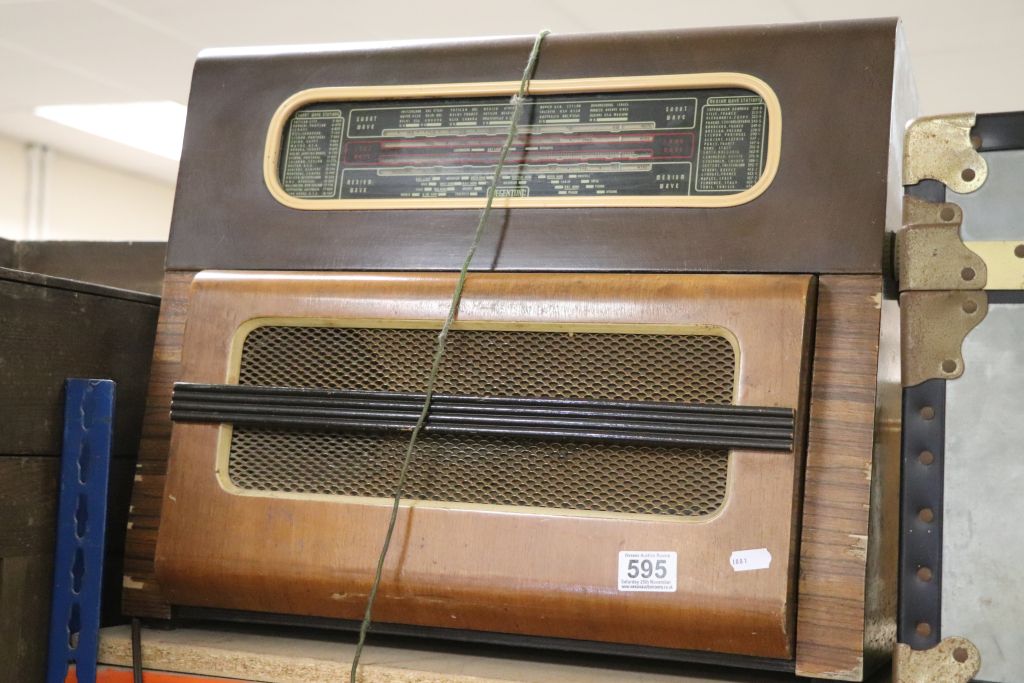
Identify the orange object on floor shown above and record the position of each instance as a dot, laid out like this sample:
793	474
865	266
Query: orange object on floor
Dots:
107	674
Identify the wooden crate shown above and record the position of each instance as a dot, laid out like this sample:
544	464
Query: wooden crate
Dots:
53	328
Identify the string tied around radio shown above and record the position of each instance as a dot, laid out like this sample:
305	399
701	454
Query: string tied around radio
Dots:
442	340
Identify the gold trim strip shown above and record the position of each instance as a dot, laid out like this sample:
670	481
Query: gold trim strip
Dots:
1004	261
275	134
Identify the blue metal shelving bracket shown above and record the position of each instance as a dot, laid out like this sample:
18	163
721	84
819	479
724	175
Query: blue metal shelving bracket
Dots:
81	524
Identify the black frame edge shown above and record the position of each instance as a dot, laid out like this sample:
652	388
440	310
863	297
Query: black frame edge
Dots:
458	636
921	489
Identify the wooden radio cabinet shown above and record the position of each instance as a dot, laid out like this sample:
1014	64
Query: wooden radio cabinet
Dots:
667	420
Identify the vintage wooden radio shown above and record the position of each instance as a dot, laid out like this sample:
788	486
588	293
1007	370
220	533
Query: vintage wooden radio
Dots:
666	422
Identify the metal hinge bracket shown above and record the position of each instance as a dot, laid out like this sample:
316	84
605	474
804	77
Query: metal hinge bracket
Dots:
934	326
954	660
940	148
942	297
930	255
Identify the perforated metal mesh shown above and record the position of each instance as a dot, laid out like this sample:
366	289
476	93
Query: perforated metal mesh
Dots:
479	469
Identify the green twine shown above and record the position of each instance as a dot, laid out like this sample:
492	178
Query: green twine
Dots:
442	340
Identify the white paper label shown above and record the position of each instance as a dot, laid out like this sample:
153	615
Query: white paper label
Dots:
649	571
748	560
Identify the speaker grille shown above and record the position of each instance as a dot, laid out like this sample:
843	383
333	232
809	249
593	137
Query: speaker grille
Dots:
481	469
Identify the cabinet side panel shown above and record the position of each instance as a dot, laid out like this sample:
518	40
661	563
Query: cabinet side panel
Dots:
837	484
141	595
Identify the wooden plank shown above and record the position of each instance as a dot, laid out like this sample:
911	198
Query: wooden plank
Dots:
837	484
141	594
8	258
28	505
25	587
107	674
282	655
883	540
82	287
138	266
49	333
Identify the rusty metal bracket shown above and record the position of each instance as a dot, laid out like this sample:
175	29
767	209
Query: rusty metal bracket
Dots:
954	660
934	326
940	148
929	252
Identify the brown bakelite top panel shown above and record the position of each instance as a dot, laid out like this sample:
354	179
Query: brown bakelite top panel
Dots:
823	213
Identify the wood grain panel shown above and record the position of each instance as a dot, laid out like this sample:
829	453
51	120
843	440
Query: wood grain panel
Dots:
141	595
28	519
831	625
29	489
25	586
28	504
881	591
285	655
837	484
510	570
136	266
52	329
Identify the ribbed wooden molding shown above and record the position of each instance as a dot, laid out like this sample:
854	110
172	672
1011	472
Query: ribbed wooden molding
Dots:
141	596
831	624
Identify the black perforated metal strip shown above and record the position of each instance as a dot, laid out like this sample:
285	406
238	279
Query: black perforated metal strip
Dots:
924	435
